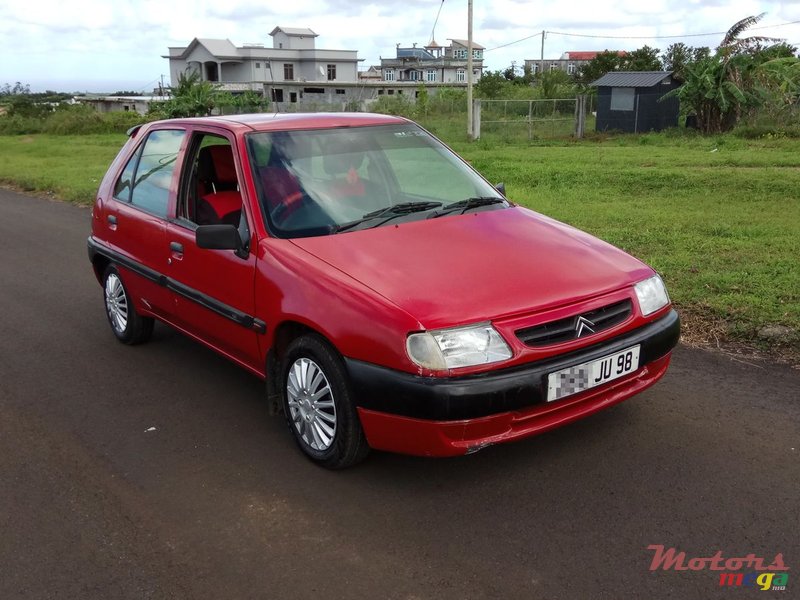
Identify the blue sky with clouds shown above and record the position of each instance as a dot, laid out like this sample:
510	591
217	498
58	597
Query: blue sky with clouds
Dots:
102	45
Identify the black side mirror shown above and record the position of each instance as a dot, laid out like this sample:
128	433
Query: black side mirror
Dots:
219	237
501	187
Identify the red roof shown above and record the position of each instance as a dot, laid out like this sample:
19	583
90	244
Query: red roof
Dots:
590	55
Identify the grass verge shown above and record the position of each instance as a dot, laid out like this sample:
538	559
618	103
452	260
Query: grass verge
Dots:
718	217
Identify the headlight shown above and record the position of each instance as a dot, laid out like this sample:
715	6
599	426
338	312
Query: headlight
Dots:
458	347
652	295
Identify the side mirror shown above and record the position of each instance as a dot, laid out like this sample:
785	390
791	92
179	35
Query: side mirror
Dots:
501	187
219	237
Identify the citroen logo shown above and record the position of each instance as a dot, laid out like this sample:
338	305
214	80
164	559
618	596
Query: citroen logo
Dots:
583	326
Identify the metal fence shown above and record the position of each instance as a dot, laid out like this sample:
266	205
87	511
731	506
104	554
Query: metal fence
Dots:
532	119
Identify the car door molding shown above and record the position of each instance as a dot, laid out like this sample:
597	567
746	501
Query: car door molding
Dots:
212	304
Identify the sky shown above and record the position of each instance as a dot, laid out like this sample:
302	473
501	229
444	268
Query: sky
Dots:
110	45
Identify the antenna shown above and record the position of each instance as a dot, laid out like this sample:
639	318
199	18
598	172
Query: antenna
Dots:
433	31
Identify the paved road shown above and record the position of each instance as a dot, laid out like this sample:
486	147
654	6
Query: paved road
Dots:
217	503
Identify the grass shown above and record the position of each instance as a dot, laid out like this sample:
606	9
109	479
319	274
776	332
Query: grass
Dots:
718	217
66	166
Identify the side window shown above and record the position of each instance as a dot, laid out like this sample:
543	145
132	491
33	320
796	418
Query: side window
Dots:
153	171
211	193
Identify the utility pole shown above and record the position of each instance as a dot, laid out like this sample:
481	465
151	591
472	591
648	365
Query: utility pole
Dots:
541	57
470	116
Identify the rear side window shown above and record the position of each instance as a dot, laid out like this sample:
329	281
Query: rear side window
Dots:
145	181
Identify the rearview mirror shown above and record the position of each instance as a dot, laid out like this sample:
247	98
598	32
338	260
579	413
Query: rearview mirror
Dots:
218	237
501	187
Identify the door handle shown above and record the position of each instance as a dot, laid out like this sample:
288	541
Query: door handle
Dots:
112	219
176	247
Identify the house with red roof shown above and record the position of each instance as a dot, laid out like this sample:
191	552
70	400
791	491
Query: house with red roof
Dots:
570	62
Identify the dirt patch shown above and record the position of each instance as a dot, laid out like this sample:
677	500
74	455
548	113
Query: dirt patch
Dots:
700	330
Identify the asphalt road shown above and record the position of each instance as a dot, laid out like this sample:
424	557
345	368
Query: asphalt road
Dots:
217	502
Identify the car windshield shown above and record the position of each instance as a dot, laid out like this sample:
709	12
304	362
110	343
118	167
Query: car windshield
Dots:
332	181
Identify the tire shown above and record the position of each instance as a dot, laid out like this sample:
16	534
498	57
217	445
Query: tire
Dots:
128	326
318	404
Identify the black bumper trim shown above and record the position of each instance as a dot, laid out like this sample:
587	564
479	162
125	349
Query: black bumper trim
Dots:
208	302
473	396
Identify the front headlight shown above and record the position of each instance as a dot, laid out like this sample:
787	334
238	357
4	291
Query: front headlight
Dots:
458	347
652	295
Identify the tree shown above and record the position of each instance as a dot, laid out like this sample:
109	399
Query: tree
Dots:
643	59
490	84
195	98
719	88
602	63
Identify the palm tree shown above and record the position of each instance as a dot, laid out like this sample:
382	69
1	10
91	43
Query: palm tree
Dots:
721	87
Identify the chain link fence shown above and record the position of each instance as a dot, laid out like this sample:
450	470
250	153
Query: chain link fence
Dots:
532	119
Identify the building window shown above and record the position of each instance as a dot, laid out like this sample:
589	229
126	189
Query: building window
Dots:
380	92
461	76
331	72
390	92
258	65
622	98
535	68
277	95
553	67
477	54
338	91
288	71
571	68
388	75
460	53
414	75
430	75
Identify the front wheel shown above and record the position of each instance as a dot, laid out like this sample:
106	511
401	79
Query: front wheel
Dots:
318	405
128	325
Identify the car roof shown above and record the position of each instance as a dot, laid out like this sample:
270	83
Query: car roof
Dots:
284	121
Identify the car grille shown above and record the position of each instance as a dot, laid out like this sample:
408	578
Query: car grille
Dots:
565	330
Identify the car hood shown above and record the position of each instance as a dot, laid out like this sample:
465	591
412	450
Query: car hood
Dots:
461	269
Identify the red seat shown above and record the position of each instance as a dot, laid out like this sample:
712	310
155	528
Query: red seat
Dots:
226	207
281	188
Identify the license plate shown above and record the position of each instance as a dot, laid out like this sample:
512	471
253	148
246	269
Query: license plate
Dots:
582	377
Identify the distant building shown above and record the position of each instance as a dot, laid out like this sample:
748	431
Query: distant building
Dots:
106	104
570	62
433	64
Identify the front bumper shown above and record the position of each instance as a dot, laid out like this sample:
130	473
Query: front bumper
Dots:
431	416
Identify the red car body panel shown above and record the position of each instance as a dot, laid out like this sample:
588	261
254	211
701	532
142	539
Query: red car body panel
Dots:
365	291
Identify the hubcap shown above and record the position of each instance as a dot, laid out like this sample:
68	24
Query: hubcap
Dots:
116	303
311	406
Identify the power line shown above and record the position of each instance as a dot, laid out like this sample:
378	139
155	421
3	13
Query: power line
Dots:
635	37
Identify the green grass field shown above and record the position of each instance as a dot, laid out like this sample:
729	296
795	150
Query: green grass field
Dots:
718	217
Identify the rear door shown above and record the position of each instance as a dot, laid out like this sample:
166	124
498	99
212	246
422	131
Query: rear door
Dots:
213	290
135	218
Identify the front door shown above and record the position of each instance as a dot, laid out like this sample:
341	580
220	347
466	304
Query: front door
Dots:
213	290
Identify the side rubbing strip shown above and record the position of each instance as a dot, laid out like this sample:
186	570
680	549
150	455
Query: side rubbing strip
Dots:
208	302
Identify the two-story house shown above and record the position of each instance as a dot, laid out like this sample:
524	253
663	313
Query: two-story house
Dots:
433	63
284	72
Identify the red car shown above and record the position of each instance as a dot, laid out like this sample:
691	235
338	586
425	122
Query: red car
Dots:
388	294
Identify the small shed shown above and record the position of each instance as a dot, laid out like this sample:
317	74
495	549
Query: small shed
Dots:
630	101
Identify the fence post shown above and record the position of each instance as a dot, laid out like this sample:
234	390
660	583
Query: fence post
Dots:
476	119
580	116
530	120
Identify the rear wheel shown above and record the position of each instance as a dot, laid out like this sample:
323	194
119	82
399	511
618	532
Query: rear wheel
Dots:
128	325
318	404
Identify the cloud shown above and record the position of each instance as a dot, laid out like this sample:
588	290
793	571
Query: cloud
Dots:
123	40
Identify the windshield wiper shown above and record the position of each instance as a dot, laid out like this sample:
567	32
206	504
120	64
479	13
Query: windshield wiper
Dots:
465	205
390	212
